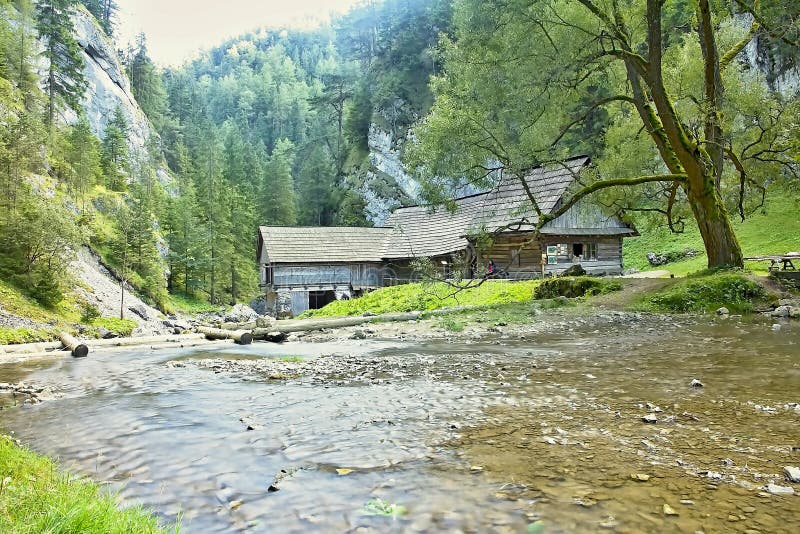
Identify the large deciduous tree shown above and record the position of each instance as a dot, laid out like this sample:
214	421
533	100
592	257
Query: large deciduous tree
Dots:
679	124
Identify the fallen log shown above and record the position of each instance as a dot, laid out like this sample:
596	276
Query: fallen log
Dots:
78	349
242	337
41	346
24	356
308	325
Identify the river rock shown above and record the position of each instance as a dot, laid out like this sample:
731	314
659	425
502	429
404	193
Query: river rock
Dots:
792	473
723	311
779	490
650	418
696	383
781	311
265	321
669	510
141	311
241	313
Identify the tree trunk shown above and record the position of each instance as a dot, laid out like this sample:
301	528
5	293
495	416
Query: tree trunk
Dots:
722	247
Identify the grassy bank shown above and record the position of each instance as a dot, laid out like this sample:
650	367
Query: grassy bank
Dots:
774	230
36	497
429	296
738	292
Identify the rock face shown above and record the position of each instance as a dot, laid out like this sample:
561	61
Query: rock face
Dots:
241	313
107	87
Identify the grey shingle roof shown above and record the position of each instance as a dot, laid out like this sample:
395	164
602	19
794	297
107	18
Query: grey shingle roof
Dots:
417	231
292	244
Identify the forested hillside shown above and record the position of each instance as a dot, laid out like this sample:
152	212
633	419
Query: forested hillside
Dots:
280	126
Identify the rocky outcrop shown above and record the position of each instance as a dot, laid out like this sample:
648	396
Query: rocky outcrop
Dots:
107	84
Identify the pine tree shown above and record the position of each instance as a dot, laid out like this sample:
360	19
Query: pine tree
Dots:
65	81
115	151
84	158
146	82
315	189
104	11
277	194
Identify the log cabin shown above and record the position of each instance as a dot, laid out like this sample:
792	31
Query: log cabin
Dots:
305	267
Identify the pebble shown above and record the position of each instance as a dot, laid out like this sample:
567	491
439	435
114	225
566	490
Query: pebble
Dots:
779	490
640	477
668	510
696	383
650	418
687	502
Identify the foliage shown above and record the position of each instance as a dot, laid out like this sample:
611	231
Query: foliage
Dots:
121	327
428	296
451	324
677	125
188	304
708	292
36	497
89	313
12	336
572	287
64	82
36	259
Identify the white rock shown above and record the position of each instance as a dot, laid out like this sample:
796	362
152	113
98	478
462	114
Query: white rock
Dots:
723	311
792	473
779	490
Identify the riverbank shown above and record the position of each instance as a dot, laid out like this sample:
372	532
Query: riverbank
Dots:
37	496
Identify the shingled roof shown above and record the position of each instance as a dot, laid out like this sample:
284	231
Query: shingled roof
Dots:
418	231
422	232
292	244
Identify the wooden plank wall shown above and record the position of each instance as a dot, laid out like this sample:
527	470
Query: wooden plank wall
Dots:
609	255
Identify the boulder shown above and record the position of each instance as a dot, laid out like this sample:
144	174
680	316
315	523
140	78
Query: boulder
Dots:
723	311
141	311
241	313
575	270
259	305
656	259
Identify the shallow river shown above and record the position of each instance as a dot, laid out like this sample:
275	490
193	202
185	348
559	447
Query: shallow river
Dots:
543	434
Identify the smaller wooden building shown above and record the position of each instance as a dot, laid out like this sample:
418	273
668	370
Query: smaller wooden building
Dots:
304	268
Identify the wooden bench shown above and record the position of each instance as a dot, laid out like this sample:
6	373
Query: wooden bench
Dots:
779	262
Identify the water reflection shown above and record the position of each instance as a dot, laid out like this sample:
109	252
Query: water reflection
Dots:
467	437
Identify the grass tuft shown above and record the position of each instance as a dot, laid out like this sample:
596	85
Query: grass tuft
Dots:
36	497
708	292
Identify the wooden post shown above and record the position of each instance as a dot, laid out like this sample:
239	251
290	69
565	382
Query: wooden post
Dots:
78	349
242	337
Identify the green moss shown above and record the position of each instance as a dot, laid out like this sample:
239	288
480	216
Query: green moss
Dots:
708	292
36	497
572	287
429	296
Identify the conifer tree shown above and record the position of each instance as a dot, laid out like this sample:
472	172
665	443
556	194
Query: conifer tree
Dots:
65	82
278	200
115	151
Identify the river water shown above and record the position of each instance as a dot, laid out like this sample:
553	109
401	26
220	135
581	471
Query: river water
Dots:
541	434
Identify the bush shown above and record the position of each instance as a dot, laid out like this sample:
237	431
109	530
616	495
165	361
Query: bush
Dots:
89	313
574	287
734	291
13	336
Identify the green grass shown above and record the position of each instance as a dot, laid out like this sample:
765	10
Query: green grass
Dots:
36	497
708	292
428	296
12	336
190	304
14	300
774	230
292	359
451	324
573	287
121	327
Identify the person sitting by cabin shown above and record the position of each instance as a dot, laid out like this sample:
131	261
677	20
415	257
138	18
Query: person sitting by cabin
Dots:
490	270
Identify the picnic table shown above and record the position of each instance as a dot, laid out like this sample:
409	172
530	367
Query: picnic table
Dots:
779	262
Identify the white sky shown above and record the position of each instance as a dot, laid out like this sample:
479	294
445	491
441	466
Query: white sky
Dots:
176	29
